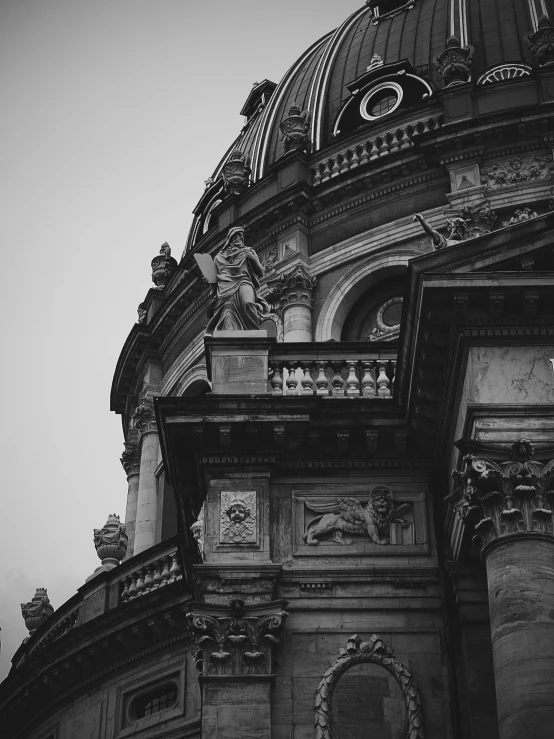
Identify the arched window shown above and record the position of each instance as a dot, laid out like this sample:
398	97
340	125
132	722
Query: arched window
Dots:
153	700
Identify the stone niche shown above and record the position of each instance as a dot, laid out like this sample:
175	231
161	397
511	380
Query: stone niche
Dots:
358	520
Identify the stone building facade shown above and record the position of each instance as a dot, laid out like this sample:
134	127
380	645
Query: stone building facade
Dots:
339	523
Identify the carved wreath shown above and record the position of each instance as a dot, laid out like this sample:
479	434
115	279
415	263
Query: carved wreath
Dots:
357	652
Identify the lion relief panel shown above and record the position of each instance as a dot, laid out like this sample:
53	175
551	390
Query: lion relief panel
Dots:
376	522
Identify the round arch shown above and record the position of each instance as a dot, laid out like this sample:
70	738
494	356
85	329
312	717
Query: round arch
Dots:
193	383
353	284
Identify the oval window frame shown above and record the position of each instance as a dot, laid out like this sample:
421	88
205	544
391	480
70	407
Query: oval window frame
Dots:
394	87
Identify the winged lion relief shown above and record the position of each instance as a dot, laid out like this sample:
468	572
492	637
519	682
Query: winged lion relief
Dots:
348	515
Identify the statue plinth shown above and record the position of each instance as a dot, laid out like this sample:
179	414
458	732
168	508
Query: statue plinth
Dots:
238	362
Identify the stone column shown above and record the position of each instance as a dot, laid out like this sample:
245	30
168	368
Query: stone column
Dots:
510	504
293	291
130	460
147	496
234	660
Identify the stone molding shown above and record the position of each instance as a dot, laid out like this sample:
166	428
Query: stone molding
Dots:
292	288
237	640
376	652
505	498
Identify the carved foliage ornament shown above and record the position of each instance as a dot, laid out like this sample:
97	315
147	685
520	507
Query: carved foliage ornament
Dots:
454	64
503	498
292	287
236	644
357	652
144	418
519	169
130	459
338	515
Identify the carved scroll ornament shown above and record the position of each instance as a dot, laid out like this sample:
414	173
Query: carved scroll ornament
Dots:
503	498
357	652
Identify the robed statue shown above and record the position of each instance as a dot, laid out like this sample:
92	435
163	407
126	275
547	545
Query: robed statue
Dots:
235	277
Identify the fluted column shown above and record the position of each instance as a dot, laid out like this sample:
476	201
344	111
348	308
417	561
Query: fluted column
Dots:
293	292
130	460
147	496
510	503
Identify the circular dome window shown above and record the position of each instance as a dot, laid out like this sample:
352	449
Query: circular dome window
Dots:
380	101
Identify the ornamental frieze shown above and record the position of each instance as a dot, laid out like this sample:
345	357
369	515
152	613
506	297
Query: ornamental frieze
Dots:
519	169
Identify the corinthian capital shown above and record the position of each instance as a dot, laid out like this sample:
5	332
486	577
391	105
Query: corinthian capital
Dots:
236	640
295	286
130	459
144	417
501	498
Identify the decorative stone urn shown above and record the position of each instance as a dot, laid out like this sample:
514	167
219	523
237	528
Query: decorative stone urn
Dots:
454	64
111	542
163	267
541	43
295	128
37	610
236	173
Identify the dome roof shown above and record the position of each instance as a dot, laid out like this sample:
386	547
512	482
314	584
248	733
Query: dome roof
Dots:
415	31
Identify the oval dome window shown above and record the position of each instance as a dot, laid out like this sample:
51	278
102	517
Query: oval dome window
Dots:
380	101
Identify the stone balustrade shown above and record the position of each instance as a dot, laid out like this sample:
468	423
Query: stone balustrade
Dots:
152	576
58	625
377	147
323	373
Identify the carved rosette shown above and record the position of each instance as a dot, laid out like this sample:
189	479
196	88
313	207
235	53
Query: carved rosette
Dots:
163	267
358	652
130	459
295	129
144	418
111	541
292	288
541	43
236	173
37	610
239	642
505	498
454	64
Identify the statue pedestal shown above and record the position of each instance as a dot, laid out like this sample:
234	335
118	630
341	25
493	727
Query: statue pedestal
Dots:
238	362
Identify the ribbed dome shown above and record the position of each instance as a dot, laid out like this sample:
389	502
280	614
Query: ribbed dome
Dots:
416	31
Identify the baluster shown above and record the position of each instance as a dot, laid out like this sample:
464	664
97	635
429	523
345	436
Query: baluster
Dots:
374	150
165	571
425	124
395	143
148	579
383	382
335	169
156	580
175	570
368	383
292	382
406	140
326	171
125	591
321	382
307	381
316	175
355	161
133	586
364	159
337	382
352	382
140	582
385	148
276	379
345	166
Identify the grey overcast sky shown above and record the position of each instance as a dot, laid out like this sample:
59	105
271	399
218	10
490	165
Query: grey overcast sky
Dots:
114	114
